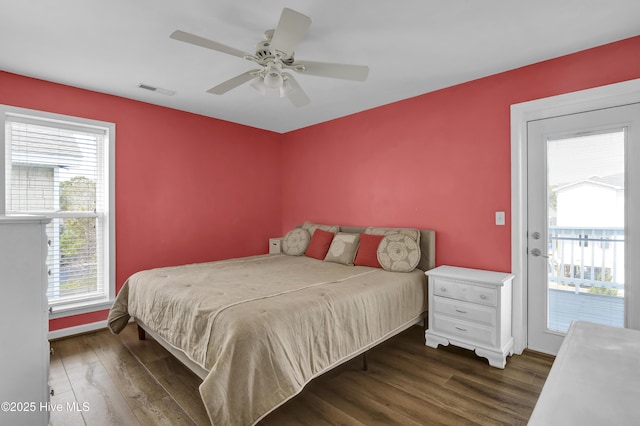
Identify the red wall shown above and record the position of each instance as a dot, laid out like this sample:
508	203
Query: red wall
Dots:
439	161
188	188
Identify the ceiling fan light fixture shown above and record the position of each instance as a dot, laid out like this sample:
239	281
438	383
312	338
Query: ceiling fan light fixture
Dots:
275	56
273	79
286	88
258	84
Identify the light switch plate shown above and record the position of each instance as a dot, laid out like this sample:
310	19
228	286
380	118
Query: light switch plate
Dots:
500	218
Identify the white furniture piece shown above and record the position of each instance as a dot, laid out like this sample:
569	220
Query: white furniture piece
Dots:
275	245
471	308
594	380
24	321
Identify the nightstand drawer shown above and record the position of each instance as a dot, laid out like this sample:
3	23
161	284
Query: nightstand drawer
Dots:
466	292
466	331
465	311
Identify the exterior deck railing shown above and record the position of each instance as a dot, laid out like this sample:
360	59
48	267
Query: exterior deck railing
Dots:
587	259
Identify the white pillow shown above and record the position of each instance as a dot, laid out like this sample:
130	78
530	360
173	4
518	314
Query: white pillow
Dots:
398	253
296	241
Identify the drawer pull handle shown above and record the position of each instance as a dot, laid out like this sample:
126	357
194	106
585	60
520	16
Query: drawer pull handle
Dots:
443	289
461	329
461	311
483	296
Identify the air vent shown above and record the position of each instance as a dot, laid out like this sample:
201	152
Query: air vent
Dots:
157	89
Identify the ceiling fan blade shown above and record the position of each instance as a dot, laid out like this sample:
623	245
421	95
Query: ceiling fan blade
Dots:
232	83
204	42
292	90
326	69
290	30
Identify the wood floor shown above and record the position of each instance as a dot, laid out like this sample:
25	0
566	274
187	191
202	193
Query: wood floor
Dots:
119	380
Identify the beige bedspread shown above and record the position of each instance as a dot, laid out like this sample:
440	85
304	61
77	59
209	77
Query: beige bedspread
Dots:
264	326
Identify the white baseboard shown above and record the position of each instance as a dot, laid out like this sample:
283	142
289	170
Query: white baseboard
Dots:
79	329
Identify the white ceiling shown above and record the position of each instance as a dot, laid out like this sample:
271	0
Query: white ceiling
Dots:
411	46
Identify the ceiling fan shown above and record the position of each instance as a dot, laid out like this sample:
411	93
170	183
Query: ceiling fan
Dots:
275	55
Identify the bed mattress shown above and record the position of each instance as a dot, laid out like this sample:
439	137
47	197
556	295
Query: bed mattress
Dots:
264	326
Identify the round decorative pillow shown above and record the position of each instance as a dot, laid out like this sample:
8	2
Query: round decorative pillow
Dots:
398	253
295	242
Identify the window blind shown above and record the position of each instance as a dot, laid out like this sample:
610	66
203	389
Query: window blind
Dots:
56	169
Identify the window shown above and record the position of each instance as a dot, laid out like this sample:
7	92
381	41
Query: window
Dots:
62	168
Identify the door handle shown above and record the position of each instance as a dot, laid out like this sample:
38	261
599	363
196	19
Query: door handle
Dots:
537	253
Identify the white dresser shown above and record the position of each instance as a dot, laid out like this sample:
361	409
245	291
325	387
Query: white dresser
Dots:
471	308
24	353
594	380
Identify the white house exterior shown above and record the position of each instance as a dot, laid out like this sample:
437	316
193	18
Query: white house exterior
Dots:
595	202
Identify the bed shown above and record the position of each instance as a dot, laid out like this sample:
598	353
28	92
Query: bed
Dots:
258	329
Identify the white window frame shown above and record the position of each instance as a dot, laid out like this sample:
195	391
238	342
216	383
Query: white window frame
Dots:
108	258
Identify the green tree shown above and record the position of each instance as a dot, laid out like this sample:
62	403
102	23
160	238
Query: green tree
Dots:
78	234
78	194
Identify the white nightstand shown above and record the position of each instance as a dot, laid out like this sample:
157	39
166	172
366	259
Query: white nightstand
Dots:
471	308
275	245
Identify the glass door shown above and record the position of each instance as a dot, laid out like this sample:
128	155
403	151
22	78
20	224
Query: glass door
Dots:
577	187
585	240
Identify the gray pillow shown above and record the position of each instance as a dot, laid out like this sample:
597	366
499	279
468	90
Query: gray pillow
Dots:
311	227
411	232
343	248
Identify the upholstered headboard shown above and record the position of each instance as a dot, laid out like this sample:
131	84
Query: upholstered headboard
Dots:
427	245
